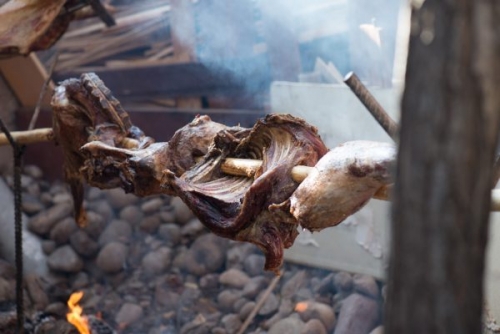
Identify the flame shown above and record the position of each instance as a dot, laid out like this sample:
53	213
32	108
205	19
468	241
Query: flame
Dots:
301	307
75	317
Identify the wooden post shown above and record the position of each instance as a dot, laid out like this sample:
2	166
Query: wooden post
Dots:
449	131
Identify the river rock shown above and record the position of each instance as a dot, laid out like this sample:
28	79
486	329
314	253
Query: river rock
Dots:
325	285
192	228
226	299
65	259
206	255
36	292
287	326
151	205
131	214
254	286
254	264
366	285
314	326
270	305
95	224
31	204
231	323
156	262
128	314
246	309
343	282
48	246
234	278
150	224
209	281
117	230
170	233
61	232
83	244
112	257
294	284
359	314
319	311
181	211
43	222
119	199
33	171
378	330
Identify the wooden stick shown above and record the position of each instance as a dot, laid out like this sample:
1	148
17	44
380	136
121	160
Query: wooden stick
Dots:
259	304
369	101
29	137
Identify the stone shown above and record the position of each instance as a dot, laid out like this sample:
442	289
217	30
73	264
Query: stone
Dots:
112	257
294	284
226	299
83	244
320	311
168	300
65	259
62	198
193	228
167	217
7	290
314	326
7	270
151	205
128	314
378	330
254	286
238	253
359	314
150	224
36	292
366	285
58	308
206	255
33	171
234	278
117	230
287	326
270	305
343	282
80	281
254	264
48	246
170	233
157	262
131	214
209	281
93	194
104	209
43	221
31	205
231	323
61	232
95	224
181	211
325	285
34	189
246	309
119	199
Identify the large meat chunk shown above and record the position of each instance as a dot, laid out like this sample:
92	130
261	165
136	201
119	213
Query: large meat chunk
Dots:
252	209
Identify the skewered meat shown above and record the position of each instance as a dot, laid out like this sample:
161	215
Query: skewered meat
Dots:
103	148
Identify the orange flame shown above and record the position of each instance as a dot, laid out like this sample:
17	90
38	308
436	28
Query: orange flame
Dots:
301	307
75	317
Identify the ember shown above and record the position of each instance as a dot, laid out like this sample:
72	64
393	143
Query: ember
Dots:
301	307
75	317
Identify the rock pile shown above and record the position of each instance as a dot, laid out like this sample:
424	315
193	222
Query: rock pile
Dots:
149	266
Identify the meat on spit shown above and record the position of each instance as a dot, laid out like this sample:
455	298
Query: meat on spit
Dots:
103	148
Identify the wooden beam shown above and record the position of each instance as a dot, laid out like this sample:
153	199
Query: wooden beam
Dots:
25	76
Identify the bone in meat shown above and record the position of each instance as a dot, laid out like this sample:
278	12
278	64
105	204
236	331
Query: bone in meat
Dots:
341	183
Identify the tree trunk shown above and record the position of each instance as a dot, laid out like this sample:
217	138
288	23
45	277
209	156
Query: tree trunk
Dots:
449	130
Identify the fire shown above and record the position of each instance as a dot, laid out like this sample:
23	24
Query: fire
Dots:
301	307
75	317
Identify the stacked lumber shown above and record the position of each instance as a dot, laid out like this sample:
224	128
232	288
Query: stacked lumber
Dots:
141	37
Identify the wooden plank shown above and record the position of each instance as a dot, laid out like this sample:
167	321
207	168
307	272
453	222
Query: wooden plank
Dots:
182	80
25	76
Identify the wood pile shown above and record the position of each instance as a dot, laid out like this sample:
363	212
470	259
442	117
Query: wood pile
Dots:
141	36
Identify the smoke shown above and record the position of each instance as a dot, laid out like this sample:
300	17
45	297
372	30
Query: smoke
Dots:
256	41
